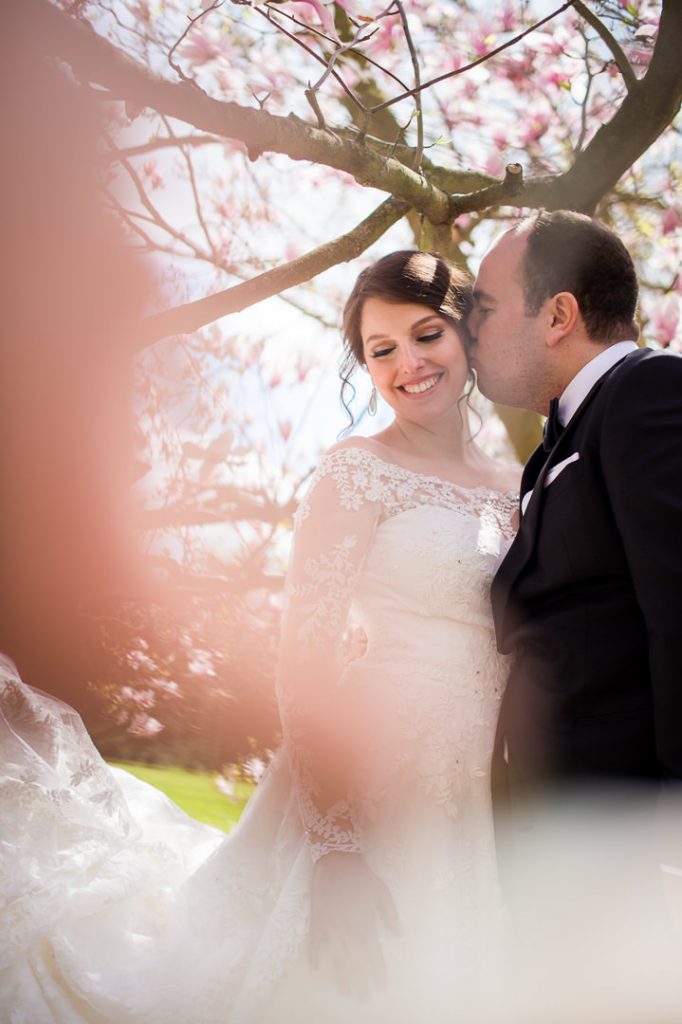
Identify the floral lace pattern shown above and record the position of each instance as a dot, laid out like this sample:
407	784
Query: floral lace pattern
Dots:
361	476
107	886
363	524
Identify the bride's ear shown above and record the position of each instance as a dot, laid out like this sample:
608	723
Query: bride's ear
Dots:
562	315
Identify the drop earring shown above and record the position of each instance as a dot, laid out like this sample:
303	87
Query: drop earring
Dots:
372	404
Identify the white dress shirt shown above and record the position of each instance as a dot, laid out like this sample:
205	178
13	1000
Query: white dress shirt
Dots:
585	379
581	385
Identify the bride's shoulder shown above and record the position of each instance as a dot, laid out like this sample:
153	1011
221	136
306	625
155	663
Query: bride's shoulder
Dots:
354	444
353	451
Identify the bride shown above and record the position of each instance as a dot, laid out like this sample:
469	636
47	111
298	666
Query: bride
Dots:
361	882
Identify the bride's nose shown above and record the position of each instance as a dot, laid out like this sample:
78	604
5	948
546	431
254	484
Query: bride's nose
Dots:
412	359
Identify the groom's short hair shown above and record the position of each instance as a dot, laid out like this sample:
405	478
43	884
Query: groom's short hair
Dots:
569	252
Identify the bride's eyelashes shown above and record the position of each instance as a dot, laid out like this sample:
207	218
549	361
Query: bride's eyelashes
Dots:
426	338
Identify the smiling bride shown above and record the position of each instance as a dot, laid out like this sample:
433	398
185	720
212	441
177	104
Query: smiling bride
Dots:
361	882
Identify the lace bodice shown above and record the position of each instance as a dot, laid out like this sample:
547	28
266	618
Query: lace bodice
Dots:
387	628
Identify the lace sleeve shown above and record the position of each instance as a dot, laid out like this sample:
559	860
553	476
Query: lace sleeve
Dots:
335	525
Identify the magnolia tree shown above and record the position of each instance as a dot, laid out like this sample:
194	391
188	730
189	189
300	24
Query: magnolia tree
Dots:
255	150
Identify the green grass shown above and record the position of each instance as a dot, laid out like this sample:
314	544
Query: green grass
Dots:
195	792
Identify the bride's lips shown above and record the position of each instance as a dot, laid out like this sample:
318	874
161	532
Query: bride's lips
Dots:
435	377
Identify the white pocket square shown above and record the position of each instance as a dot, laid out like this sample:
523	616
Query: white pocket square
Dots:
553	473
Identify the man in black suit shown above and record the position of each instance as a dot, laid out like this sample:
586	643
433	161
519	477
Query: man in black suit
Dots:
589	598
588	603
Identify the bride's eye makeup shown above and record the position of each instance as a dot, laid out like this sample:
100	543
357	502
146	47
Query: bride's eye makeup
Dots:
433	335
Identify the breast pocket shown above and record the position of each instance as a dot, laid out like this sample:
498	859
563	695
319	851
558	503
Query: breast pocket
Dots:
563	477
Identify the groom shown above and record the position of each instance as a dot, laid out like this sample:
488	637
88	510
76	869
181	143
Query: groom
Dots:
588	600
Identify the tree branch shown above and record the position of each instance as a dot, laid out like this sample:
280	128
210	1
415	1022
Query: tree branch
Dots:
647	110
163	143
187	156
475	63
493	195
97	60
193	315
327	64
417	85
622	63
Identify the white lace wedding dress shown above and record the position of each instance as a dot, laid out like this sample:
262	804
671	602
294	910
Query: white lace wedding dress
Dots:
119	908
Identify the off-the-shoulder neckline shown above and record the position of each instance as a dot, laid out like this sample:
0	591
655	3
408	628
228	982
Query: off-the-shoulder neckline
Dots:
481	489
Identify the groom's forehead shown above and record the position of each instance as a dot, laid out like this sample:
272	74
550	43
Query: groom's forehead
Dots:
501	266
509	248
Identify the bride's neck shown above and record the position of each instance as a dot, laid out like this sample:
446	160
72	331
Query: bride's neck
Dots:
444	442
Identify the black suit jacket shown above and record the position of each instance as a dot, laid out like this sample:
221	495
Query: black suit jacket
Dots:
589	598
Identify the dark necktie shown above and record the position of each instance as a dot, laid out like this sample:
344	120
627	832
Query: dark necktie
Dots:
553	426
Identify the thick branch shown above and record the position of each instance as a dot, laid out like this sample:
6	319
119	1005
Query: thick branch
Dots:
647	110
494	195
95	59
622	63
649	107
193	315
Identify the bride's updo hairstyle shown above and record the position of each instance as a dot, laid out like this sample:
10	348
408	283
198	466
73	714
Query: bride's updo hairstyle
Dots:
405	276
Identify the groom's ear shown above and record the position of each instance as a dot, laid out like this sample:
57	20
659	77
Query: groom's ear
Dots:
563	314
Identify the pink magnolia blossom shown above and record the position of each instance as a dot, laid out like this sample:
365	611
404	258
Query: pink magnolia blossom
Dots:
500	139
141	698
639	53
555	76
535	128
483	41
666	320
349	6
285	428
167	686
201	48
382	41
672	220
201	663
137	659
495	164
144	725
518	70
555	43
508	18
141	11
324	14
151	173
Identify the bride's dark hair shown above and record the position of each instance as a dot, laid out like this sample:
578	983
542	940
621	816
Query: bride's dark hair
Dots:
405	276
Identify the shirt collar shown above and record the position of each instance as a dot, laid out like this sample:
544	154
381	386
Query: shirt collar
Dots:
582	383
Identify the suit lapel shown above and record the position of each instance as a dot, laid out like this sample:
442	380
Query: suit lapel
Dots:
534	476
